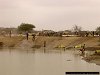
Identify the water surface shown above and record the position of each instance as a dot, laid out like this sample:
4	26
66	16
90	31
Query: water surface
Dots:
40	62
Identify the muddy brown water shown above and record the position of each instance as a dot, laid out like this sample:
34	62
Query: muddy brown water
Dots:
42	62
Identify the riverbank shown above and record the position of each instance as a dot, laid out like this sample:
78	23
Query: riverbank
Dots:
92	43
95	58
10	42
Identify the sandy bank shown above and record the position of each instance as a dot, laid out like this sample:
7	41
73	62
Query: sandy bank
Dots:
10	42
95	58
52	42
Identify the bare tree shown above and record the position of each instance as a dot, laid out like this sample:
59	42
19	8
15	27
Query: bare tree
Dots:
77	29
98	30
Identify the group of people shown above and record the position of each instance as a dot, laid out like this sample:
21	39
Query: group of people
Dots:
82	49
33	36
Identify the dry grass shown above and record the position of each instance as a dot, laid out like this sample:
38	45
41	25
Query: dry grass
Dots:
11	42
51	42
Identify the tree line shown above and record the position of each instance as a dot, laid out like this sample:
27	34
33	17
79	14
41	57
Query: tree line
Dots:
26	27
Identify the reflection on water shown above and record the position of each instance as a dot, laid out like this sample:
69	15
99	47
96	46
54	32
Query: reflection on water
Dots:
42	62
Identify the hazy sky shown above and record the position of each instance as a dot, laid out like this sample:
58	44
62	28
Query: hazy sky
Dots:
51	14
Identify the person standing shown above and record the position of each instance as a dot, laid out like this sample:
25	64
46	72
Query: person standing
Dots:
10	33
44	43
93	33
27	35
83	48
33	38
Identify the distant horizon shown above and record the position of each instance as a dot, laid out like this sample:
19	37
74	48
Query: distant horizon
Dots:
47	29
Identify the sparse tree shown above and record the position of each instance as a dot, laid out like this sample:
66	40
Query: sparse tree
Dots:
25	27
98	30
77	29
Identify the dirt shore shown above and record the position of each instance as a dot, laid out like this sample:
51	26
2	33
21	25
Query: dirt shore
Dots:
10	42
95	58
91	43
